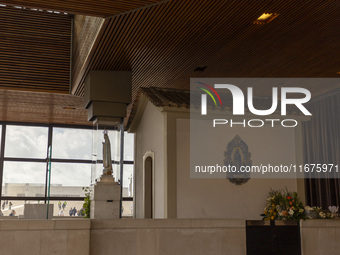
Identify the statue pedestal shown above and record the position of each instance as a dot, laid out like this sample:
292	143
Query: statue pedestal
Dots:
105	199
38	211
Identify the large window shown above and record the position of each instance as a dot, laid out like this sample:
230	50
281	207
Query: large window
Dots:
76	161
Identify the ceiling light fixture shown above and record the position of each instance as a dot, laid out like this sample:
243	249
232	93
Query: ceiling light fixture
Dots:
265	18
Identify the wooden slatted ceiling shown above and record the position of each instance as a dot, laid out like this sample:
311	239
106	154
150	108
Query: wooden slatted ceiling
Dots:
163	44
34	50
99	8
36	107
85	32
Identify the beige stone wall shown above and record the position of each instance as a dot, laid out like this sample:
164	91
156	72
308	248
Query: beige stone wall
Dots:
145	236
122	236
168	236
40	237
150	137
320	237
218	198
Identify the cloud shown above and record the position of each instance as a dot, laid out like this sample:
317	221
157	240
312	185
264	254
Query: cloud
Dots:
72	143
26	142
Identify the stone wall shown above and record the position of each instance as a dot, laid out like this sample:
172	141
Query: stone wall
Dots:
122	236
40	237
168	236
320	237
142	236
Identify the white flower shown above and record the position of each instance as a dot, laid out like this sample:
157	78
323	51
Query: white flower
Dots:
308	208
291	212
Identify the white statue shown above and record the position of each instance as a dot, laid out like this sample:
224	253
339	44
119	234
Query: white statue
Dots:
107	161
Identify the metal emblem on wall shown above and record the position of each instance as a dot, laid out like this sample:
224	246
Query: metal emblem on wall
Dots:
237	155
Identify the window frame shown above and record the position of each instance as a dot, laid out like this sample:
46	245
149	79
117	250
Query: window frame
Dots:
45	160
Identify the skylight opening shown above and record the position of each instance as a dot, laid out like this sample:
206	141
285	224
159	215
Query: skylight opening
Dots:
265	18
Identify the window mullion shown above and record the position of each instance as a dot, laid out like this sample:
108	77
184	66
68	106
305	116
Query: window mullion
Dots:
2	153
49	143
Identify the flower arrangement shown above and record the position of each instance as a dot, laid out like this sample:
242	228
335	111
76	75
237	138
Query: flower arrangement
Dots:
317	213
283	205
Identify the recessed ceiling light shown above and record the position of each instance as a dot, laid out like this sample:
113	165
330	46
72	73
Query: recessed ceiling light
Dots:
265	18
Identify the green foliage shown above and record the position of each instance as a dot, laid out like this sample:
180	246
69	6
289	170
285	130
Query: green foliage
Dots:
87	201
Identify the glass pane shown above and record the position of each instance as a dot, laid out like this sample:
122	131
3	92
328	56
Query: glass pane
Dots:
128	181
127	209
24	179
16	207
8	206
96	172
65	208
68	179
129	146
26	142
72	143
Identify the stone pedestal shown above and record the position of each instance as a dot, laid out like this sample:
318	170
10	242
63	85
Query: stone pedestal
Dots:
105	199
38	211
